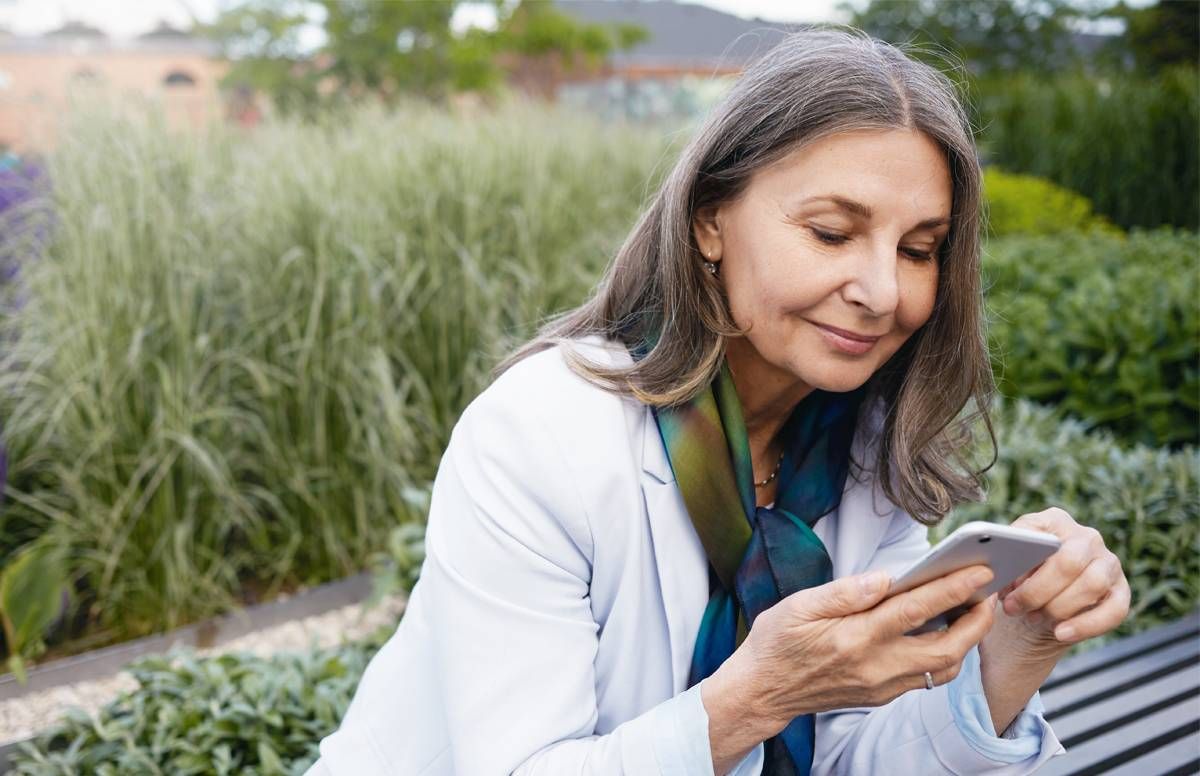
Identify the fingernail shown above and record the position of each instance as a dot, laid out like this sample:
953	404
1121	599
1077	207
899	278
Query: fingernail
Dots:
1064	632
872	582
981	577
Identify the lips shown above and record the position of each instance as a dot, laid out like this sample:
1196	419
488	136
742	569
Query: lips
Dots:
846	342
848	334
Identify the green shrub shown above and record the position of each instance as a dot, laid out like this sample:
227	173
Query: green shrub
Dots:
240	350
1105	328
232	714
1024	204
1130	144
1145	501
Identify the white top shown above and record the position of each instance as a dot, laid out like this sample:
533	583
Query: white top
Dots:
552	628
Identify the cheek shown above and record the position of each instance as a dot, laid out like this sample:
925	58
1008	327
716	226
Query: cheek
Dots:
917	300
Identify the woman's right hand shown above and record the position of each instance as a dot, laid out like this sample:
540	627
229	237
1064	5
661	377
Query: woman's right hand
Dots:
837	646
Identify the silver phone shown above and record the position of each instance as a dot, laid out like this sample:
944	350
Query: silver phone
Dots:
1010	552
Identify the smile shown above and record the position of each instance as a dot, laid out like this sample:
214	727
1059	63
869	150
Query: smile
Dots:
847	342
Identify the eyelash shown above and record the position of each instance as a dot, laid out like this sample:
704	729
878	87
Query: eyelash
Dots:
837	239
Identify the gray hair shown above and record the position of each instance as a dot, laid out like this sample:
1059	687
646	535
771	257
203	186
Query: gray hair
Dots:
815	83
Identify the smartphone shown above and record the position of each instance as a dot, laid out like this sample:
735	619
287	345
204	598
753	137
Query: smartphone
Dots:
1010	552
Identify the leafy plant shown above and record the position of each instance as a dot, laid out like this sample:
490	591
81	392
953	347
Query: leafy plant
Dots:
1104	328
232	714
1144	501
32	585
1024	204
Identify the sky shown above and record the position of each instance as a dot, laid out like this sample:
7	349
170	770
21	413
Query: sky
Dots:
127	18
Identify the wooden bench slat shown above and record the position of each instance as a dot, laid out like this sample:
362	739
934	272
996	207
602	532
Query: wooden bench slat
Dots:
1143	736
1109	654
1105	716
1181	756
1116	679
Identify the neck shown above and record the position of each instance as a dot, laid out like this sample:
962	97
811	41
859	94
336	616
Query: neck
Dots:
767	395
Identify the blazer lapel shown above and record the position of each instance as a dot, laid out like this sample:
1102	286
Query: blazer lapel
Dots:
679	556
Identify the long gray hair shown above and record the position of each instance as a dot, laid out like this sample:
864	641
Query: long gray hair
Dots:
813	84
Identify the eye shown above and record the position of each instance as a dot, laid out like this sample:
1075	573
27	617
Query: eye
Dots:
829	238
919	255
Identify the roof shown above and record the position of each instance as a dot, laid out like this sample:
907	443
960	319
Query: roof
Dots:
682	34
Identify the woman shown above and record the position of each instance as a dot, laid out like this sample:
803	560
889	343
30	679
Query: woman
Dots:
659	543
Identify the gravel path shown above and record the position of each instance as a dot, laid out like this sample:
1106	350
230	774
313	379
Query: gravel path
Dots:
21	717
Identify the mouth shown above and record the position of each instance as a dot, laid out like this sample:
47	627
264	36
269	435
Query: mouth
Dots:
847	341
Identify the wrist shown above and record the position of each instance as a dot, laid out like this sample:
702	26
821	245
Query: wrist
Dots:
735	707
1014	642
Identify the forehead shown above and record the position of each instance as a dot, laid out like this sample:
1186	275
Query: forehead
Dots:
889	170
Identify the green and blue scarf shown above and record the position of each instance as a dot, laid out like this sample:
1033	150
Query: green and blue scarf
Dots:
757	555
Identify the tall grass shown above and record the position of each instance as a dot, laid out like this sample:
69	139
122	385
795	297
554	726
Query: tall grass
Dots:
1130	144
241	350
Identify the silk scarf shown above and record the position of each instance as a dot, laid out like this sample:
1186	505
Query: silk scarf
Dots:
757	555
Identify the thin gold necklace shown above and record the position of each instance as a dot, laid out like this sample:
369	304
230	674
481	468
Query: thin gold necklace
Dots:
767	481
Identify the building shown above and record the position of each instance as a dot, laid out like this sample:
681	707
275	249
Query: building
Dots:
40	76
692	55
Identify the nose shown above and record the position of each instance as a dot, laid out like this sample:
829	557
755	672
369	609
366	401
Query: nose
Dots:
874	283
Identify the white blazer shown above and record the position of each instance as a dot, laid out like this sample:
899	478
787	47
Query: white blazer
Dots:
552	628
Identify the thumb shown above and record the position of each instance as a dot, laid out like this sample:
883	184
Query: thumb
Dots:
841	597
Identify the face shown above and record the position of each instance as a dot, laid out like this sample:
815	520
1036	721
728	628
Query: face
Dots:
841	234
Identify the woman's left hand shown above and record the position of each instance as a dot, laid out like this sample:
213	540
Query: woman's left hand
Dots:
1076	594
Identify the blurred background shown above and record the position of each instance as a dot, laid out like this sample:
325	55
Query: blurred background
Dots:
256	257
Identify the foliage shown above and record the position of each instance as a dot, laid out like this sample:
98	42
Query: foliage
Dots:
987	35
387	50
1156	36
241	351
1024	204
32	585
1105	328
1145	501
232	714
1130	144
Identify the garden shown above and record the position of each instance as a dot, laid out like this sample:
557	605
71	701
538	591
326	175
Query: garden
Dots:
232	360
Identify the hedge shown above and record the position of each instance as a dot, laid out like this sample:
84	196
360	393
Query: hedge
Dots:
1104	327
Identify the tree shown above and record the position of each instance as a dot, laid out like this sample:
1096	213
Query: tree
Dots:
988	35
1157	36
385	49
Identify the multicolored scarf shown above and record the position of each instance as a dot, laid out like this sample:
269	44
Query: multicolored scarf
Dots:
757	555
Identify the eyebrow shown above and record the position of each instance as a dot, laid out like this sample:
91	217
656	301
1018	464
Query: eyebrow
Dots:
859	209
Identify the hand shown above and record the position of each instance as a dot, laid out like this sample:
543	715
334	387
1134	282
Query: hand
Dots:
1077	593
841	645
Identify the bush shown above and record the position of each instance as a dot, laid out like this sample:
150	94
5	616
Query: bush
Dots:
1130	144
1145	501
1105	328
1024	204
232	714
241	351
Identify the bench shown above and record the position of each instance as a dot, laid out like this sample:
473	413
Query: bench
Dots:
1129	708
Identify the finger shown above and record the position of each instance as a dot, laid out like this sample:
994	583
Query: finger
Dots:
841	597
1090	587
906	611
1011	586
1054	521
1056	573
945	653
1100	619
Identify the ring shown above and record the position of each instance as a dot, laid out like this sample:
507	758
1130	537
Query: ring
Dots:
928	681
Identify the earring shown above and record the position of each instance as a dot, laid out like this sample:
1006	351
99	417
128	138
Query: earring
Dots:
711	266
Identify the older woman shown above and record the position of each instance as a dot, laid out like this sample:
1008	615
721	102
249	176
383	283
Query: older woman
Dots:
660	541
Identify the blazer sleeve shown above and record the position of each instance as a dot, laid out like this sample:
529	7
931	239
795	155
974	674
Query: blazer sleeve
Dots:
506	577
929	731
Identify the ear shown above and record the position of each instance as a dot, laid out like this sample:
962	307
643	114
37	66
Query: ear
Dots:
706	226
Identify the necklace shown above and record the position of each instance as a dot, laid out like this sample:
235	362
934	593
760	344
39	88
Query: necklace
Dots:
767	481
